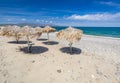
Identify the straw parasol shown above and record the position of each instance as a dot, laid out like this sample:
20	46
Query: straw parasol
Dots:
38	31
70	34
29	33
1	30
48	30
12	31
5	30
16	32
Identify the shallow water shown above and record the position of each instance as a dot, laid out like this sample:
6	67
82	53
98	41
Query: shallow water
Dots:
98	31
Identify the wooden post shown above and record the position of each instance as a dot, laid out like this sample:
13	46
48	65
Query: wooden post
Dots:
70	47
17	38
28	42
28	46
48	37
17	41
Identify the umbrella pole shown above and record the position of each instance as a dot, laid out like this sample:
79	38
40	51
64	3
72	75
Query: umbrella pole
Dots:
48	36
17	41
70	47
38	35
28	44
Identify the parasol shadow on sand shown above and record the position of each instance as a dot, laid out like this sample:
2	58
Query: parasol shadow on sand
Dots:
74	50
35	49
51	43
19	42
42	39
71	35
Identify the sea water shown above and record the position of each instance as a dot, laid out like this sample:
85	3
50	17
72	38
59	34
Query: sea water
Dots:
97	31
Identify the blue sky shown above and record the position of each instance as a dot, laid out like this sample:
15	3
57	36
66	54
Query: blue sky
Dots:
61	12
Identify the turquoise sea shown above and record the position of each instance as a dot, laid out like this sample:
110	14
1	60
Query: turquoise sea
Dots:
98	31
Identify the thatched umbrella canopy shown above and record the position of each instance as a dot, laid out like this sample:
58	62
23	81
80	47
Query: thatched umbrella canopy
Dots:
12	31
1	30
28	32
5	30
47	29
16	32
70	34
39	28
39	31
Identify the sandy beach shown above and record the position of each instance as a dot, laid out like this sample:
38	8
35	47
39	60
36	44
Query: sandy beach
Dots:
94	60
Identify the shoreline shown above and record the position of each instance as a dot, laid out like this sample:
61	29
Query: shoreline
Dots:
101	36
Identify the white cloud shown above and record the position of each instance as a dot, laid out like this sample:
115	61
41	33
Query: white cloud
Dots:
42	21
23	19
46	21
52	18
8	19
57	17
110	3
37	20
96	17
51	22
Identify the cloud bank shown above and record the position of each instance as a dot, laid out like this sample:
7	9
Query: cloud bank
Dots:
96	17
110	3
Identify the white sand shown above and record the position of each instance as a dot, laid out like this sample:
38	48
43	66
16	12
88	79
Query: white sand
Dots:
98	62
